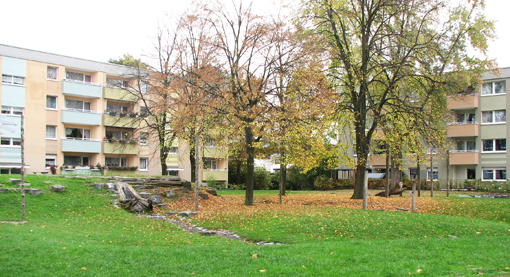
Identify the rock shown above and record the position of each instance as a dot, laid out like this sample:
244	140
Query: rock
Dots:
172	212
452	237
1	185
186	184
212	192
59	188
48	182
26	184
145	195
204	196
170	193
269	243
150	187
162	205
34	191
110	186
158	194
139	186
114	195
4	190
465	196
188	214
156	199
14	180
115	202
100	185
157	217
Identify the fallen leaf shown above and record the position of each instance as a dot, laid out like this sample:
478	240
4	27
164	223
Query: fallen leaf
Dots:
262	270
193	273
63	248
83	268
254	256
303	266
419	270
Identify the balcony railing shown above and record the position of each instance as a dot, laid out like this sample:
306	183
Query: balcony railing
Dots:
81	116
121	148
463	102
464	157
464	151
81	89
462	123
81	145
217	174
464	130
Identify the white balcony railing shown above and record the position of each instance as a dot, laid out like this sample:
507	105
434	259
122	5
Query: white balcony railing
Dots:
80	110
464	151
82	82
84	139
462	123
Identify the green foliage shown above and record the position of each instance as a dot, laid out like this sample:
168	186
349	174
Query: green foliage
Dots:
211	182
324	183
262	179
128	60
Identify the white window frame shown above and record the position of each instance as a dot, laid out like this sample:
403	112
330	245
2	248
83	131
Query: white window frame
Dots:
117	83
83	137
493	117
11	142
144	87
493	146
83	105
144	138
211	164
121	161
54	130
173	150
13	80
492	88
83	79
12	110
49	158
493	171
50	108
146	168
435	172
463	118
48	77
81	160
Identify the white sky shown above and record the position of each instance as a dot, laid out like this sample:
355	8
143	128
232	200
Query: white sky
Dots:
100	30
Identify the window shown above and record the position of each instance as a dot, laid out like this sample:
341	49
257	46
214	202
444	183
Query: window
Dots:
12	110
494	145
78	134
15	80
117	83
471	173
144	163
52	73
77	105
173	150
434	173
114	136
494	174
494	88
466	146
413	173
10	171
144	138
10	141
76	160
78	77
494	116
210	164
51	160
116	108
51	132
210	143
143	111
144	87
466	118
110	161
51	102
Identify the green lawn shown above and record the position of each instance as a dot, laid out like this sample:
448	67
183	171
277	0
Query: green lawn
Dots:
79	233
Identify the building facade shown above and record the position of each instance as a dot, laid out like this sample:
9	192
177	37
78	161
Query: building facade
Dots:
78	114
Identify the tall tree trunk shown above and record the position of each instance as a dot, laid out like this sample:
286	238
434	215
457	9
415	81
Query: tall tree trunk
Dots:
192	155
250	172
162	158
396	173
419	176
283	179
387	179
238	172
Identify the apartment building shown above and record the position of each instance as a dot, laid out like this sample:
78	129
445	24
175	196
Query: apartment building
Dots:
79	113
477	137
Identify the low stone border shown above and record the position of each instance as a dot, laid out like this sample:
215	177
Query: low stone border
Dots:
14	222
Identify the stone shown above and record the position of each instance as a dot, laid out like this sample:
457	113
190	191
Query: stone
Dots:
212	192
155	199
59	188
156	217
110	185
186	184
1	185
4	190
138	186
26	184
150	186
34	191
115	202
14	180
172	212
204	196
100	185
48	182
170	193
158	194
465	196
162	205
145	195
114	195
188	214
452	237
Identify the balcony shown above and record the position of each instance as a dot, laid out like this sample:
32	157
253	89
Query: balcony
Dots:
463	129
172	160
377	160
121	148
120	121
82	117
10	154
81	89
463	102
464	157
215	152
120	94
218	175
81	145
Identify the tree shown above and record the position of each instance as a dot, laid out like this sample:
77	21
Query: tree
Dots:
382	50
128	60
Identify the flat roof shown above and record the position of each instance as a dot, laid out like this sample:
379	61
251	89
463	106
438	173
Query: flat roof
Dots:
69	62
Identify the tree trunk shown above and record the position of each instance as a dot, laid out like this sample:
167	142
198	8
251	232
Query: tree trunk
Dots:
192	156
162	159
238	172
250	150
419	176
387	177
359	181
283	179
396	173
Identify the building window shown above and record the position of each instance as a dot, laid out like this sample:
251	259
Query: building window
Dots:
210	143
10	171
77	105
466	146
494	174
77	134
471	173
109	161
143	111
494	145
117	83
12	110
51	160
76	160
413	173
494	88
144	138
494	116
117	109
144	87
51	132
15	80
466	118
173	150
210	164
117	136
80	77
144	163
434	173
10	141
52	73
51	102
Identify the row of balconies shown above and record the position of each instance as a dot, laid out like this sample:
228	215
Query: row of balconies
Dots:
457	157
91	90
94	118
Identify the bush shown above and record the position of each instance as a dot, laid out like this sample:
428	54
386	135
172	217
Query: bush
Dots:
345	183
262	179
324	183
211	182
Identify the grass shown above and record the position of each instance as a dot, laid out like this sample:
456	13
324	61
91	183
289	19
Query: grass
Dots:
79	233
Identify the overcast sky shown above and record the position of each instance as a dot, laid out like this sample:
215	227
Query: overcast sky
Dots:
100	30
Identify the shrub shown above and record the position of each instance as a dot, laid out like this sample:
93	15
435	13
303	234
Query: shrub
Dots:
324	183
262	178
211	182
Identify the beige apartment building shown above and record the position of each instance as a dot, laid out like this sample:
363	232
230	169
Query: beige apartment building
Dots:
80	113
